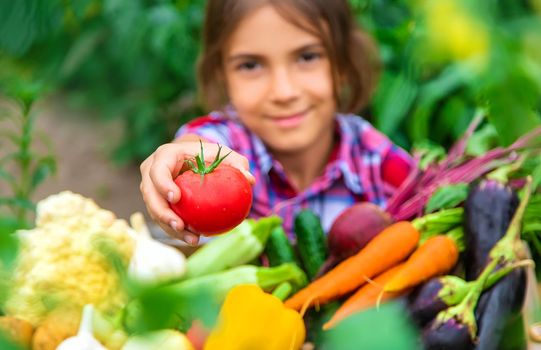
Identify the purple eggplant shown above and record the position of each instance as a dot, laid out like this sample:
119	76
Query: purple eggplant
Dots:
455	327
439	293
489	208
450	335
434	296
446	331
497	308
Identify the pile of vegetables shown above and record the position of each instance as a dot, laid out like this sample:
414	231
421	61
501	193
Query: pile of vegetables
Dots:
85	279
450	246
456	258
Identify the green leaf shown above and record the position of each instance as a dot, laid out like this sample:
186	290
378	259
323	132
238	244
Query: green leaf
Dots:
393	101
11	136
17	202
504	106
536	177
431	153
6	344
9	245
447	197
482	141
81	51
45	167
80	7
376	329
24	22
10	179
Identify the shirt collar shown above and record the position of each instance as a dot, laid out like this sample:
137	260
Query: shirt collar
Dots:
343	164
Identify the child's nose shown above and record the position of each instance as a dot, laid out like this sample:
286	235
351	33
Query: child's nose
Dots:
284	85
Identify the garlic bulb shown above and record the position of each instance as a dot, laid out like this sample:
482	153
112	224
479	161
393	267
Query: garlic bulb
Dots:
153	261
165	339
84	340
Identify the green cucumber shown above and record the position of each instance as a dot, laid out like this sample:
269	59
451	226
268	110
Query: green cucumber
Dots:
311	241
279	249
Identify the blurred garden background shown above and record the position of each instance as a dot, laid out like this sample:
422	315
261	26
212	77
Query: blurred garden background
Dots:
89	88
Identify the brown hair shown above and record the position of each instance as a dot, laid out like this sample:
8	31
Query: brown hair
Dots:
352	53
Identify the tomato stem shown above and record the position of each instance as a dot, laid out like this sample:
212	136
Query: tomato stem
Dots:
199	167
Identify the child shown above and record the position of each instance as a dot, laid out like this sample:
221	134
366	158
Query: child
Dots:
284	69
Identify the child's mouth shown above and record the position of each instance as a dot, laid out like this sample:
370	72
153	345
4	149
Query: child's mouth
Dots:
290	121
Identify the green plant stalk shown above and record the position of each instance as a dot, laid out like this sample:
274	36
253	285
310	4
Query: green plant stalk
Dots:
283	291
455	288
438	222
24	160
506	248
464	312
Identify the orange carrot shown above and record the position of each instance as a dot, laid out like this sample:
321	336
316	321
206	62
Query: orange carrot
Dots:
387	249
436	256
365	297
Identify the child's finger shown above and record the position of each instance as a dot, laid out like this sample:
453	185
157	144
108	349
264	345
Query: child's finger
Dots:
169	222
166	164
241	163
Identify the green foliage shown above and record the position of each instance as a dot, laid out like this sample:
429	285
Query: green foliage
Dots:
129	59
135	60
444	59
5	344
386	327
23	169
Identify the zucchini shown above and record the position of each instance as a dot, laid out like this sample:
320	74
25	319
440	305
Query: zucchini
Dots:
279	249
311	242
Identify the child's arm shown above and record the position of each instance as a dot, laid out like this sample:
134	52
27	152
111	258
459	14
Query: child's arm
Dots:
158	172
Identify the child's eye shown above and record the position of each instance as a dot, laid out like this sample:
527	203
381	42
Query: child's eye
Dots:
309	56
248	66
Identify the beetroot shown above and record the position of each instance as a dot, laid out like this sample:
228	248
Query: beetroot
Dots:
352	230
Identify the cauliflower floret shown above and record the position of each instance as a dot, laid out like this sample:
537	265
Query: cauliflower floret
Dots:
66	260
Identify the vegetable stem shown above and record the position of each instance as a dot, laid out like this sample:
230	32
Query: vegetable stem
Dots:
200	167
505	248
270	277
283	291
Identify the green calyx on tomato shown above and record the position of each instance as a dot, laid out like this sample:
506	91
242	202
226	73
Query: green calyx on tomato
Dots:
201	168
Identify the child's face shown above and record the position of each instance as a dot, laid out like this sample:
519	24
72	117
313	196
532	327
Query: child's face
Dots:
279	79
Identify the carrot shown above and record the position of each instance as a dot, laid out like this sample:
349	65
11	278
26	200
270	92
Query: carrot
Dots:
388	248
436	256
365	297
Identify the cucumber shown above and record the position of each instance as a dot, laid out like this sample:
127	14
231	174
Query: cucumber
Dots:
279	250
311	242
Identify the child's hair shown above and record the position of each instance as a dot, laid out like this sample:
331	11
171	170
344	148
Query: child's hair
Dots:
352	53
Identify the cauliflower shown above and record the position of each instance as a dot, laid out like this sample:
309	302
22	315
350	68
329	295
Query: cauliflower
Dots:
62	262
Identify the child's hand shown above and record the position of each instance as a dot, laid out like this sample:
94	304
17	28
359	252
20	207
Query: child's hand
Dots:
158	186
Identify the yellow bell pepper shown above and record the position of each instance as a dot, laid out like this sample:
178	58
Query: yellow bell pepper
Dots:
252	319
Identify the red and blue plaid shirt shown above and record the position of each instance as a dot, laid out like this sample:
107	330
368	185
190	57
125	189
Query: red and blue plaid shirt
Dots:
364	166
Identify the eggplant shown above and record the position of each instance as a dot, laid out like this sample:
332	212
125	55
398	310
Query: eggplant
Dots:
450	327
450	335
506	298
455	327
439	293
498	307
488	211
434	296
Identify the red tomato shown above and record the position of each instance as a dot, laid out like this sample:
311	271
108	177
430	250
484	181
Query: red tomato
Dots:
214	203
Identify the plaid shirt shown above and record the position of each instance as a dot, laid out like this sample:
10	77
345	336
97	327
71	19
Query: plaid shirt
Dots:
364	166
